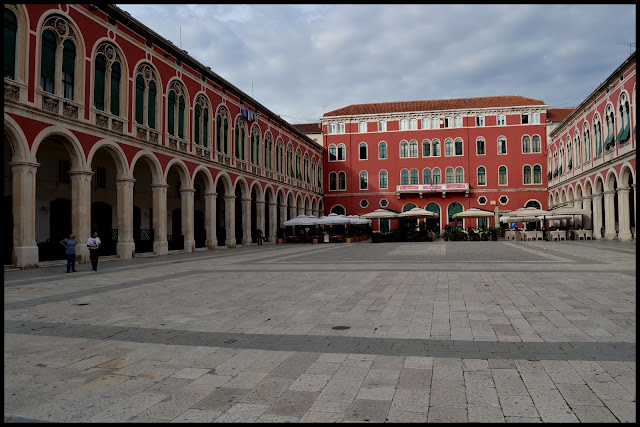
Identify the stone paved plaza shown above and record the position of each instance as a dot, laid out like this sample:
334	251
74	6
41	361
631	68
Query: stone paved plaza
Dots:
438	332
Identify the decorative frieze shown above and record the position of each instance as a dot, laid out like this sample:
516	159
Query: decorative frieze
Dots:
153	137
50	104
183	146
173	143
11	92
102	121
141	133
69	110
116	125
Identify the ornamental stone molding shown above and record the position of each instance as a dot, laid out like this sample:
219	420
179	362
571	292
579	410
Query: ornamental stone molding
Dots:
60	26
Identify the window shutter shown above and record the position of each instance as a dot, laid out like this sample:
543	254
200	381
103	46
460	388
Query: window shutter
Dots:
205	127
181	107
98	87
10	31
151	105
197	125
115	89
48	58
171	110
139	99
218	133
69	57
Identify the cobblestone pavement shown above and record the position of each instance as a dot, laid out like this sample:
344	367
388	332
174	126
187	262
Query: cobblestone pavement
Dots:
438	332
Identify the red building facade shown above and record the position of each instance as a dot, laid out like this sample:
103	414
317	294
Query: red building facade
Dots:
441	155
109	126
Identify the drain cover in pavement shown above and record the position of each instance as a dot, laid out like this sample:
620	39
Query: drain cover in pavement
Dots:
341	327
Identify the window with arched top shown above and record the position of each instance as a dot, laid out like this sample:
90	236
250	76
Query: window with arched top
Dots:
342	152
578	149
146	95
314	178
320	176
254	143
382	150
502	145
526	144
610	140
290	170
458	147
222	131
404	149
268	151
436	176
342	181
240	136
176	106
414	176
201	121
537	174
107	81
502	175
333	181
333	156
536	146
624	118
413	148
449	175
480	146
435	148
364	180
426	176
383	178
448	147
362	151
338	210
597	135
404	177
482	176
60	70
526	174
459	175
587	142
280	155
426	148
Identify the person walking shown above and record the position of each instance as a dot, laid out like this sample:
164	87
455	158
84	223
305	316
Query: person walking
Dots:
70	250
259	237
94	245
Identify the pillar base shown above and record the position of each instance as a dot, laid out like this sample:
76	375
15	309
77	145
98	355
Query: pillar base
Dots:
212	245
25	257
625	236
82	253
246	242
125	250
161	248
610	236
230	243
189	245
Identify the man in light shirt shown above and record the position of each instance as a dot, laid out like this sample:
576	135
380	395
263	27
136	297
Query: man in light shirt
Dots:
94	245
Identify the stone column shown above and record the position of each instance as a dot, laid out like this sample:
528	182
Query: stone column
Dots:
624	221
210	219
315	213
283	215
587	221
635	204
230	220
597	215
260	214
246	222
293	212
81	212
273	223
25	251
126	247
186	197
160	244
577	219
609	215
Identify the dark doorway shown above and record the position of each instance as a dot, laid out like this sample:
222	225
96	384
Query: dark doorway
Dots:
177	238
267	216
7	229
59	229
199	232
239	214
254	216
101	221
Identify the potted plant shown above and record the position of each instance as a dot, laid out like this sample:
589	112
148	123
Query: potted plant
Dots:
602	231
280	236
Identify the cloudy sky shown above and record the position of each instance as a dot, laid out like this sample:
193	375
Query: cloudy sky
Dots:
303	60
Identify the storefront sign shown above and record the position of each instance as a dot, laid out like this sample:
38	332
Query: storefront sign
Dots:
432	188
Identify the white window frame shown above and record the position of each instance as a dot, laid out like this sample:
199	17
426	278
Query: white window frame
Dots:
506	176
382	126
386	150
338	181
413	124
485	176
501	120
522	119
331	128
329	151
457	121
485	146
417	148
338	159
505	145
426	123
362	127
448	122
366	151
435	123
535	118
360	179
480	121
386	179
403	124
340	127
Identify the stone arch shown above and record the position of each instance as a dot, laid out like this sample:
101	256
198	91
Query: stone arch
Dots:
320	207
314	206
268	191
180	88
610	180
259	192
17	140
569	195
598	184
226	182
68	139
183	171
626	173
153	163
117	154
244	187
208	180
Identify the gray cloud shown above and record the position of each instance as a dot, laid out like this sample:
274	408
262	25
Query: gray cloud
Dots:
303	57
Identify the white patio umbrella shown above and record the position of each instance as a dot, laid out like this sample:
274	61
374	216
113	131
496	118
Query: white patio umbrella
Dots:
568	210
473	213
354	219
333	219
301	220
529	212
380	213
418	213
